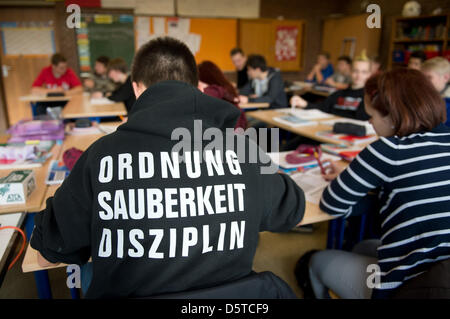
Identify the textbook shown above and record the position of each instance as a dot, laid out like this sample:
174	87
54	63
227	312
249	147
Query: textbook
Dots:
343	151
347	139
293	120
57	173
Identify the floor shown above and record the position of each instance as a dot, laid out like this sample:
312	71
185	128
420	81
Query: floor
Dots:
276	252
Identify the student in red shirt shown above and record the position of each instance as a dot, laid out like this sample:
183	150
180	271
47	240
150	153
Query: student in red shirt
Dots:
57	77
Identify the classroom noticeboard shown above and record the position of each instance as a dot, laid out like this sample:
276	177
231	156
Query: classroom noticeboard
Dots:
208	39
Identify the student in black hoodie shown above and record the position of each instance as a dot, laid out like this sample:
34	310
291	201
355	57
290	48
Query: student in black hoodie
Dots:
118	73
152	222
265	85
346	103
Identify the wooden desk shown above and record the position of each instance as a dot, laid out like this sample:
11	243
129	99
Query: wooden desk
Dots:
313	214
44	98
267	116
309	131
301	88
251	105
34	202
79	106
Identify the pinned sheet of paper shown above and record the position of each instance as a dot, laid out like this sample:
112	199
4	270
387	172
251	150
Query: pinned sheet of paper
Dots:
159	25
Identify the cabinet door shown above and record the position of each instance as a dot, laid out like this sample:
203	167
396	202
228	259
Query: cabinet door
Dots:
335	31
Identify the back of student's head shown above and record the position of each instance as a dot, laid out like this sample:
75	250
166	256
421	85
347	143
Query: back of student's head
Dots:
164	59
407	98
118	64
438	65
210	73
57	58
256	61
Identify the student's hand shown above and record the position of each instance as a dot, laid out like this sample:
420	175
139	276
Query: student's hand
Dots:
97	95
89	83
202	86
57	89
243	99
297	101
252	96
333	170
330	82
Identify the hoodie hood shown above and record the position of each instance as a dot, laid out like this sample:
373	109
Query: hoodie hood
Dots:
168	105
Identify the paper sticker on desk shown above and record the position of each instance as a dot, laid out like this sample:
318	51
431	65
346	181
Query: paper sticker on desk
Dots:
57	172
17	187
293	121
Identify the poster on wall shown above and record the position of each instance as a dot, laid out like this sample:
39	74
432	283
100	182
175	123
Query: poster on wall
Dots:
286	43
178	28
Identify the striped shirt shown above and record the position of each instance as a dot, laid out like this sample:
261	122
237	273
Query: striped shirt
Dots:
413	173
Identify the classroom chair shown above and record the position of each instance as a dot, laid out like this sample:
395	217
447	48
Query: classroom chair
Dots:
263	285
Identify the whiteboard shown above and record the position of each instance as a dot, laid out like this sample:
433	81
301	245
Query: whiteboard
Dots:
28	41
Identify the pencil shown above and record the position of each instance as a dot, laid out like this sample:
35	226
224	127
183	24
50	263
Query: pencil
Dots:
316	155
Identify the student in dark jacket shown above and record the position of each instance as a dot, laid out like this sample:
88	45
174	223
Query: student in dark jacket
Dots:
118	73
155	222
346	103
266	84
239	60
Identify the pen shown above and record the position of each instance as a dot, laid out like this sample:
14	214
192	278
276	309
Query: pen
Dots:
316	155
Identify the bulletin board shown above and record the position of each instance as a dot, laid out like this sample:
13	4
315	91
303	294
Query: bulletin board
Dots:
209	39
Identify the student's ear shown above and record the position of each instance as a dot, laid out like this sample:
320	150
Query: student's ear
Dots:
138	88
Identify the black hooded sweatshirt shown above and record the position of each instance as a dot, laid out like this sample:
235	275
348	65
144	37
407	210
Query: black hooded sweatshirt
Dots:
153	226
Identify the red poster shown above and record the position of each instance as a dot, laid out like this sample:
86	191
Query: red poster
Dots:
286	43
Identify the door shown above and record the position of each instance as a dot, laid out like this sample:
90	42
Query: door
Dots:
19	70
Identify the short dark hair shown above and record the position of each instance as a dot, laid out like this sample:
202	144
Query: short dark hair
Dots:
408	98
164	59
118	64
103	60
419	55
345	58
236	51
57	58
256	61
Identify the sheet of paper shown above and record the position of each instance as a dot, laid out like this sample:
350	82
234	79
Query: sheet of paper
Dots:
312	184
307	114
159	25
6	234
101	101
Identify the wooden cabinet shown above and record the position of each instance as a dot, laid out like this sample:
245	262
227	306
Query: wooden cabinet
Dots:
349	36
260	36
426	33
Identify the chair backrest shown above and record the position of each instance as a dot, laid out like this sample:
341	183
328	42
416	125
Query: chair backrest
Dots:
432	284
264	285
